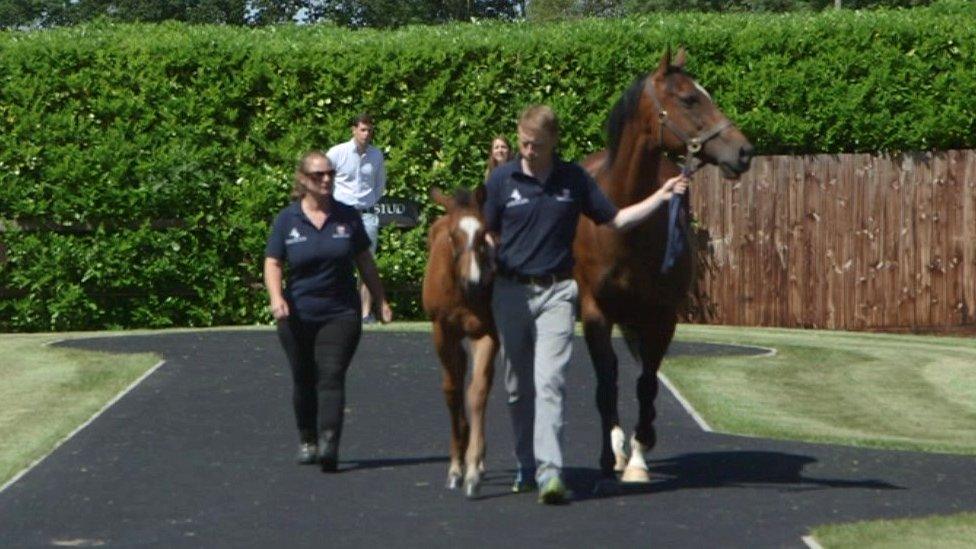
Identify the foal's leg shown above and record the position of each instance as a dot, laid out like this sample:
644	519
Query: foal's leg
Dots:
453	361
597	331
483	352
650	341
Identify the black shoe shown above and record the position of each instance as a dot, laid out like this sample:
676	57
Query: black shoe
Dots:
307	453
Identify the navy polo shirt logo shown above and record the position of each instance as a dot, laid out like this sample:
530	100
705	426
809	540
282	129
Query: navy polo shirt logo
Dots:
564	196
516	199
294	237
341	231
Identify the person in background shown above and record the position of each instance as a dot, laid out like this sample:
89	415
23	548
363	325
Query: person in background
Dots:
499	153
533	204
321	242
360	181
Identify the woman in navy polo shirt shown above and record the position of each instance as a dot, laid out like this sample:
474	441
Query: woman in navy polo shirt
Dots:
533	203
322	242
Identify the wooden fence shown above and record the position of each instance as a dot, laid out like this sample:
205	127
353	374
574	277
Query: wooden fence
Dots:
850	241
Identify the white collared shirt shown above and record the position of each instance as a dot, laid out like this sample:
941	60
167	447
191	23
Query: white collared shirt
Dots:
360	178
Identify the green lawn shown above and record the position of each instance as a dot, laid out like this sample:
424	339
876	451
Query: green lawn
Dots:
877	390
946	532
47	392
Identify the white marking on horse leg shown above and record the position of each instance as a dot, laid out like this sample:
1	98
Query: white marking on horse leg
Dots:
636	470
685	404
617	440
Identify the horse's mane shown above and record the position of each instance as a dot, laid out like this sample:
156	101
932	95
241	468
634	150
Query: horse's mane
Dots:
625	109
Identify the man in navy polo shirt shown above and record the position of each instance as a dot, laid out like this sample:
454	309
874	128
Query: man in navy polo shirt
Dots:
533	203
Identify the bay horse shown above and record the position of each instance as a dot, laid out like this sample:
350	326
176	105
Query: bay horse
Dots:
662	115
457	298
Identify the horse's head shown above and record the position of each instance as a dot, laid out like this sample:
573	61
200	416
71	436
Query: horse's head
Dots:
464	229
685	121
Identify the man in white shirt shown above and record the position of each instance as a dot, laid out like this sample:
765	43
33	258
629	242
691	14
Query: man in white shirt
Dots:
359	182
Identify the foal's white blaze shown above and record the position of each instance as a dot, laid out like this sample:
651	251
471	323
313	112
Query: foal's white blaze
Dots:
703	90
470	225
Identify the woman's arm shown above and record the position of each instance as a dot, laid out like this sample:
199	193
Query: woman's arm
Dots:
629	217
272	281
367	269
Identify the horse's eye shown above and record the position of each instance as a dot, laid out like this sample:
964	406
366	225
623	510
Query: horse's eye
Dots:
689	100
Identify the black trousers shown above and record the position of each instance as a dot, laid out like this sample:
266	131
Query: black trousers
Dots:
319	355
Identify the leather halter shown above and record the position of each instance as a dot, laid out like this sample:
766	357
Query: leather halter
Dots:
693	144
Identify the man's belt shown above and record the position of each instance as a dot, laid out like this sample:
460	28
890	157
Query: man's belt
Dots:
539	280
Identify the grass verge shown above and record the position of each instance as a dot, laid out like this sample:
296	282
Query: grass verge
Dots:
47	392
876	390
942	532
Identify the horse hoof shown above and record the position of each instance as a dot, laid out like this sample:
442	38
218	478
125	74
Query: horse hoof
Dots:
472	489
635	475
453	481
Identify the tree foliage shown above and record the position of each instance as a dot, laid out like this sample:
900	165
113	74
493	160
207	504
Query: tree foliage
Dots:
394	13
352	13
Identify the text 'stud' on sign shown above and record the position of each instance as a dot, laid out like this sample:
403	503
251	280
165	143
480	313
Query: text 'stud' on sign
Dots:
399	212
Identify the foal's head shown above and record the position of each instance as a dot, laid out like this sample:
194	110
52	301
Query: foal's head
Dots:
679	116
464	229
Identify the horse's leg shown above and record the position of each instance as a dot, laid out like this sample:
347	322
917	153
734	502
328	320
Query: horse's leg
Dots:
453	361
483	352
650	342
597	331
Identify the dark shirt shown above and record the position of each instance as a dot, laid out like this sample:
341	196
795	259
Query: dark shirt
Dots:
536	221
321	268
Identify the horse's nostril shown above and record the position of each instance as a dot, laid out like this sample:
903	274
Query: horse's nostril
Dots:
745	153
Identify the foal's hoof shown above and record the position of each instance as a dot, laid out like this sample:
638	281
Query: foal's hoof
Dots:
453	481
635	475
472	489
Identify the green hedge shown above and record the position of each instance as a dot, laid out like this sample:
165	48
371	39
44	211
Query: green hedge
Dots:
113	127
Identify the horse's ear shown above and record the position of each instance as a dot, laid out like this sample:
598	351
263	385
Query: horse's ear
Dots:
679	60
480	195
662	67
440	198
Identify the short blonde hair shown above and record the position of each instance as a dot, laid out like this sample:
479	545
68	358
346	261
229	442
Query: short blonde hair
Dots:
540	117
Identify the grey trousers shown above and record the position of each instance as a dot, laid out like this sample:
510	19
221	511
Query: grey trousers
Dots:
535	325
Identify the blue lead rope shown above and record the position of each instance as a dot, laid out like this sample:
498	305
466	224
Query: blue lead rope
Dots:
677	229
